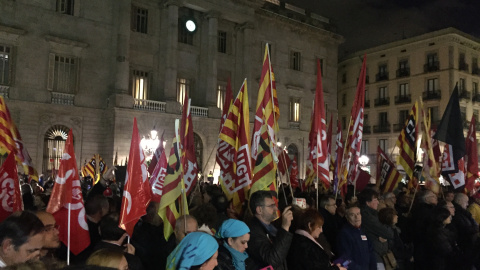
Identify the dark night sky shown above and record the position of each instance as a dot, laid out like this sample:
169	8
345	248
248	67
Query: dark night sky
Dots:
367	23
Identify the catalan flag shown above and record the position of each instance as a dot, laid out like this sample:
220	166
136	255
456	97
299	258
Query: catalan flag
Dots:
353	142
171	207
430	167
317	145
407	142
265	129
91	169
472	158
387	175
222	157
188	159
11	141
234	151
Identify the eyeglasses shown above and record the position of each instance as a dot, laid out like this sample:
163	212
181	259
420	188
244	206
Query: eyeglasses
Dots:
49	228
270	205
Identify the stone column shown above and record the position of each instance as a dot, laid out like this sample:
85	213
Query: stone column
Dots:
170	82
211	69
247	63
121	97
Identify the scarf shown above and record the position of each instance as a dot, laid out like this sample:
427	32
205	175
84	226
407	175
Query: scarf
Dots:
238	258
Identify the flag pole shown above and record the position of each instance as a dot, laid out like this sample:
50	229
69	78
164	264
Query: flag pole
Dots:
68	234
273	105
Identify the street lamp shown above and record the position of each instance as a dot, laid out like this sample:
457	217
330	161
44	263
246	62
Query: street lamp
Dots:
150	144
363	160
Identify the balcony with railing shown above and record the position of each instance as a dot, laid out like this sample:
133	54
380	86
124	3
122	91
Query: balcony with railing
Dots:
398	127
431	95
383	76
431	67
476	98
463	66
367	103
367	129
63	98
294	125
401	99
149	105
383	101
4	91
464	94
199	111
403	72
475	70
382	128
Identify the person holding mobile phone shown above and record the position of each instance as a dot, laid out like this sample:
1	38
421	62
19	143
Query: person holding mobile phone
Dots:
305	252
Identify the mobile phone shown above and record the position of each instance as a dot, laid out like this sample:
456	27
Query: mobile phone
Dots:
346	263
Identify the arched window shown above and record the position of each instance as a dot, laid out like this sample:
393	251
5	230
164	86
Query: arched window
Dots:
198	151
54	144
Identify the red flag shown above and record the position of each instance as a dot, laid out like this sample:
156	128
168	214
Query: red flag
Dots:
136	193
317	145
283	162
220	159
67	191
294	173
472	158
329	135
158	177
188	159
156	156
362	180
353	142
456	177
10	194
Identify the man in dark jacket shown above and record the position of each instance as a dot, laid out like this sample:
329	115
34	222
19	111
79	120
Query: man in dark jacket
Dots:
331	225
268	245
353	244
466	229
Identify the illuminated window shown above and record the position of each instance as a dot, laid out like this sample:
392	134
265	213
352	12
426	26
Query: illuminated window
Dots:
5	64
383	144
183	87
403	90
221	91
139	19
139	84
54	144
295	110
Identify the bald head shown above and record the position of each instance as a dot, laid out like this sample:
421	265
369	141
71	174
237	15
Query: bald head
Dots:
51	239
191	226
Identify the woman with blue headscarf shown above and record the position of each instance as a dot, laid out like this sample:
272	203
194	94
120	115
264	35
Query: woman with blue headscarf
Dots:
234	236
197	250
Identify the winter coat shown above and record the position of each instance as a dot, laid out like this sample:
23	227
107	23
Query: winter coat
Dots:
305	254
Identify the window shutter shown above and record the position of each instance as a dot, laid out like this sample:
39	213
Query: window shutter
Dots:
51	71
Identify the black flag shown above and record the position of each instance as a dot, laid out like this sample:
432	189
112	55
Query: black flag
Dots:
450	129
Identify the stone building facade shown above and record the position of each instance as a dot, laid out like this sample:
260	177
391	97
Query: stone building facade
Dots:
400	72
92	66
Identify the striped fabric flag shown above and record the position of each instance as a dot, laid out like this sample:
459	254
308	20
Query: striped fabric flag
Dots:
188	158
407	143
317	144
171	207
156	155
222	157
265	129
338	157
353	143
387	175
234	151
91	169
472	158
453	171
430	167
10	140
294	173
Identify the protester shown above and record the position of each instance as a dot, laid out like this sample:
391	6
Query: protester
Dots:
474	207
353	245
108	258
305	252
198	250
234	236
331	222
376	232
268	245
181	230
51	240
21	238
442	250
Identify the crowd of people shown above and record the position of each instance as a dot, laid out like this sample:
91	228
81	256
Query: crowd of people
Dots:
369	230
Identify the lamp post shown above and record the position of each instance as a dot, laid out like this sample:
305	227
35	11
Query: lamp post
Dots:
150	144
363	160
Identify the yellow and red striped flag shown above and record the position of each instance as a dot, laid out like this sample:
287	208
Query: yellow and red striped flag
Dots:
10	140
170	207
430	170
234	151
407	142
265	129
387	175
353	143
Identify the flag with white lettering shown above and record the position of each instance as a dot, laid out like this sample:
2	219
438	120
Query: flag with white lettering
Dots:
10	194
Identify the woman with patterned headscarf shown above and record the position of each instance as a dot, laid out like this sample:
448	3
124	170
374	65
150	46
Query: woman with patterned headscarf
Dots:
198	250
234	236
